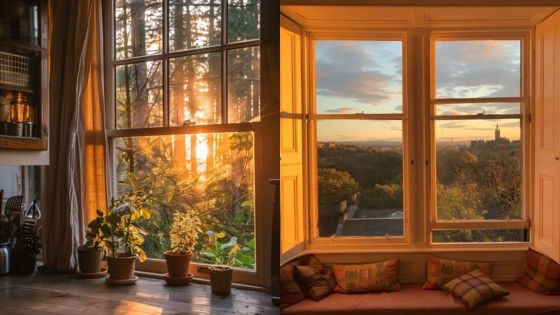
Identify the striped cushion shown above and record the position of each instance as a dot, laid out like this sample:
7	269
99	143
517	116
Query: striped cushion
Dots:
542	274
379	276
474	288
440	271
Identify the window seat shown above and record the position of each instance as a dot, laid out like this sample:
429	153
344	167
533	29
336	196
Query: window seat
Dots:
417	301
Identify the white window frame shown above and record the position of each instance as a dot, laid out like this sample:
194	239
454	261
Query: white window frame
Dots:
260	276
418	143
524	101
311	123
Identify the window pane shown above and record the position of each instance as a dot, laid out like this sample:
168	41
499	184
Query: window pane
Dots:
358	76
139	95
479	109
138	26
208	174
243	20
195	89
194	23
360	162
478	169
478	68
244	84
480	236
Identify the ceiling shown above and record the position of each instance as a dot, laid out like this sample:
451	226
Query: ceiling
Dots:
315	18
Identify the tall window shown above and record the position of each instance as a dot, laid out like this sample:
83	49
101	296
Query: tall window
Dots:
185	99
359	138
477	101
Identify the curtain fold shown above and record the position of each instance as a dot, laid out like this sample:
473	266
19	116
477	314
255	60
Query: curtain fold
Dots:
76	175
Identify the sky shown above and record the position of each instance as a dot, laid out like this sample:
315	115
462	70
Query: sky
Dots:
366	76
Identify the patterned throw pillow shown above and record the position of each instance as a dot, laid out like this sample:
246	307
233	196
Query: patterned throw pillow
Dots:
474	288
440	271
379	276
290	291
315	284
542	274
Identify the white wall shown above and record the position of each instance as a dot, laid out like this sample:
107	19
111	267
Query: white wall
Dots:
11	181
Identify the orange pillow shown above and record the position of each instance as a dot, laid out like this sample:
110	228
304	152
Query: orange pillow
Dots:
374	277
440	271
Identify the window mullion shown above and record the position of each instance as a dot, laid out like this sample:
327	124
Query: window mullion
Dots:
224	99
165	63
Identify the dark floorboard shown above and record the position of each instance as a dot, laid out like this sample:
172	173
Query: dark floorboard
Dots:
67	294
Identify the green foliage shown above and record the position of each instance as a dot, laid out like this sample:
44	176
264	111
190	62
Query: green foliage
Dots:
473	183
221	197
95	239
389	196
121	232
335	186
184	232
218	249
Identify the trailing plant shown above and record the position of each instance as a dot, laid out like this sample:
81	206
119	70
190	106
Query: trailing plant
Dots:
184	233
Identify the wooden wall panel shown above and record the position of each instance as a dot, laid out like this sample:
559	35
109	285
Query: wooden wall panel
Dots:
547	138
291	139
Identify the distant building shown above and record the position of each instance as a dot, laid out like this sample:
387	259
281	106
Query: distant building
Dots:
497	143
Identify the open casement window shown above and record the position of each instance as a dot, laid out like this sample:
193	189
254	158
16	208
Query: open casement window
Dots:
479	93
357	144
183	88
292	227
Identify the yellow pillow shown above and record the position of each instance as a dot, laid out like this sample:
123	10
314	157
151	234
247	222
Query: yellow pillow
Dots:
374	277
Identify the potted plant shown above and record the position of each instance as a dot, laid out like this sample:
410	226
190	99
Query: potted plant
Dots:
123	241
184	233
91	253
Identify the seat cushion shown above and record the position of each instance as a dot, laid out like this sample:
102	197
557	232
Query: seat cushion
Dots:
542	274
416	301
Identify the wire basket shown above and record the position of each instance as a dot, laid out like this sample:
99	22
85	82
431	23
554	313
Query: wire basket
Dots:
14	70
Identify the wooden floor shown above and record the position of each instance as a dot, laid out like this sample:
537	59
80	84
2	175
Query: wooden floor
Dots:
67	294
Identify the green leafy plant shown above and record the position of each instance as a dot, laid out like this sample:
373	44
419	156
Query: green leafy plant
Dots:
184	233
223	251
122	235
95	238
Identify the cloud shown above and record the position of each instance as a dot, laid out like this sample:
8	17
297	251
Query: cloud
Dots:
453	124
478	68
343	110
349	70
510	124
474	109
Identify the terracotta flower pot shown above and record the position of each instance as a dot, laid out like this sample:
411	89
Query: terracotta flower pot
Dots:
89	260
121	267
220	279
177	264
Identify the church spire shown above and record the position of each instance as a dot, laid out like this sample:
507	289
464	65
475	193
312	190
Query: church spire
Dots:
497	133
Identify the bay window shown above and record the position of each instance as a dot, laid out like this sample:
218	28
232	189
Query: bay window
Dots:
416	144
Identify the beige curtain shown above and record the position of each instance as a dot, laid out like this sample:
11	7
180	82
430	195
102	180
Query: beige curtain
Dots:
75	178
